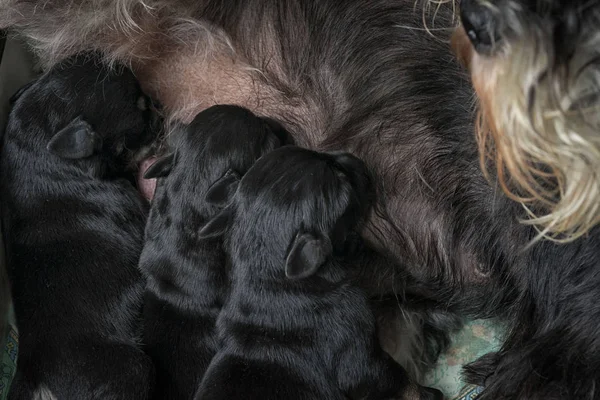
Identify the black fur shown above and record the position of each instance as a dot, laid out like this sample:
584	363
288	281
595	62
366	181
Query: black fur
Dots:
188	277
294	326
365	77
553	349
73	228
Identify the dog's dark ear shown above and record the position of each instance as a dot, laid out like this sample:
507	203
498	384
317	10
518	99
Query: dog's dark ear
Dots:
276	128
74	141
161	167
359	176
307	253
13	99
216	226
349	162
223	189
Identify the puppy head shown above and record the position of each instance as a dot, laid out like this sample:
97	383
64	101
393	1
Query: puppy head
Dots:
90	110
535	70
300	205
218	147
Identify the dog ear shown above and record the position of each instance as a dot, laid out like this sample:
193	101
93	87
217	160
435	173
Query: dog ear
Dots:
308	252
75	141
161	167
223	189
351	165
217	225
275	128
13	99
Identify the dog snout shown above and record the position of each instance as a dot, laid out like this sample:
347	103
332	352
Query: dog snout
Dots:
479	23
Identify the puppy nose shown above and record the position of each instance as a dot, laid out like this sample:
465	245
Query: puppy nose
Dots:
479	23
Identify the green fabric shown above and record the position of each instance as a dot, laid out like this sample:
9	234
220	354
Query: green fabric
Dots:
470	393
473	341
9	358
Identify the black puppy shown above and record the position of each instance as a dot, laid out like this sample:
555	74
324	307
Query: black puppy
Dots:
187	276
74	232
294	326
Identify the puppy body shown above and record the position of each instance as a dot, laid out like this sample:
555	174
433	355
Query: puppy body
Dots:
188	277
294	326
73	233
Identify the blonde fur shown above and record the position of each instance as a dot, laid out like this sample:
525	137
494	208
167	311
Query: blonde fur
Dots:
539	124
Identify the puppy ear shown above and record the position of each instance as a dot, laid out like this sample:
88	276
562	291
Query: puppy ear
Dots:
13	99
276	128
308	252
161	167
75	141
223	189
359	176
216	226
348	161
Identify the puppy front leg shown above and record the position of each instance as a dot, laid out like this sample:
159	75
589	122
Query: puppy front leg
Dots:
379	377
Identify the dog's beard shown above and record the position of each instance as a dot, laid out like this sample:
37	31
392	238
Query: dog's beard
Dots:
538	122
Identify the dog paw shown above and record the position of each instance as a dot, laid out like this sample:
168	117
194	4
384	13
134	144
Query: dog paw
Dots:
423	393
431	394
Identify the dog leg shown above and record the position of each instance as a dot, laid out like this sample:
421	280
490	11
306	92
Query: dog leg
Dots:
536	369
378	376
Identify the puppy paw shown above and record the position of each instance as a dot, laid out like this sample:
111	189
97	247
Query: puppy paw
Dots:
431	394
422	393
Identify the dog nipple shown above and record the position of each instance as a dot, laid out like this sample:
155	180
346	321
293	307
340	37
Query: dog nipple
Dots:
146	186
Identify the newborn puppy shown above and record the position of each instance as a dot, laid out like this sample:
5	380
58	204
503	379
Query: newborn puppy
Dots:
73	232
294	327
187	275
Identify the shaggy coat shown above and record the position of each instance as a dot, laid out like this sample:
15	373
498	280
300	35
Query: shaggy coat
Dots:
73	229
188	278
534	67
294	326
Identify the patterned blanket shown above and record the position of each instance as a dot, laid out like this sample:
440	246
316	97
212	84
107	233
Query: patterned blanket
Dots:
9	358
477	338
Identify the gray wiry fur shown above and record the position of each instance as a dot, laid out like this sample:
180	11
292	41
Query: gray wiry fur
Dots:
123	29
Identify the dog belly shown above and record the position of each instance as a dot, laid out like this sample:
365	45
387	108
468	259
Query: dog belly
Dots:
185	84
